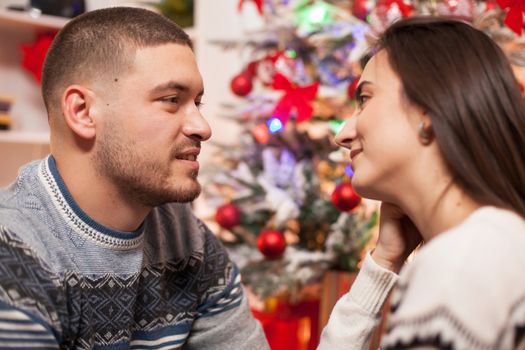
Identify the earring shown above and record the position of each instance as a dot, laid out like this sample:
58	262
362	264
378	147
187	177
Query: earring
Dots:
425	133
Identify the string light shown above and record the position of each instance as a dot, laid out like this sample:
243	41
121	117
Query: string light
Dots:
349	171
336	125
315	15
274	125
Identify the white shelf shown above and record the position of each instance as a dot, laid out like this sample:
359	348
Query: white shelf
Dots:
24	19
24	137
24	87
191	32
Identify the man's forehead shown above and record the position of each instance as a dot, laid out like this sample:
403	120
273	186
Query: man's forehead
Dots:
166	47
165	59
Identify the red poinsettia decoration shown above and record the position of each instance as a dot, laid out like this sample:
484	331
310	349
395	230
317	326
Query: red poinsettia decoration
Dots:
514	18
35	53
295	97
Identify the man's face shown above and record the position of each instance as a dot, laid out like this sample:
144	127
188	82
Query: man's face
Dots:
151	127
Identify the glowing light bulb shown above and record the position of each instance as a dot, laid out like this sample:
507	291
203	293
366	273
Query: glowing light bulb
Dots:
317	14
336	125
274	125
349	171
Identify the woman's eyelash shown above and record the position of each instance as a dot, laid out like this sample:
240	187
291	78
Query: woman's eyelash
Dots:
360	99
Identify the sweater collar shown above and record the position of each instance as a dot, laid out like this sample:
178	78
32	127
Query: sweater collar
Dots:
77	219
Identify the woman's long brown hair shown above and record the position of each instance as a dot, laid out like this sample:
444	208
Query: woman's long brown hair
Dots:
463	80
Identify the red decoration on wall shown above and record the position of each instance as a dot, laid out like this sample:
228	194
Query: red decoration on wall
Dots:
514	18
258	3
344	197
298	97
271	243
228	216
34	54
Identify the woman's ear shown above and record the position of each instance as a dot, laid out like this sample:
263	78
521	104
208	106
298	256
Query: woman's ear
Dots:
76	107
424	130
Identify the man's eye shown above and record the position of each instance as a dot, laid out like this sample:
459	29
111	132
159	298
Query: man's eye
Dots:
171	99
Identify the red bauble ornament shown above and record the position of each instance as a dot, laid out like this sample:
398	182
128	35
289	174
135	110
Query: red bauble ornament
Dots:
241	85
271	243
344	197
228	216
361	8
351	88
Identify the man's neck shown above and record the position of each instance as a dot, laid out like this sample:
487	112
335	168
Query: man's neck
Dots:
98	197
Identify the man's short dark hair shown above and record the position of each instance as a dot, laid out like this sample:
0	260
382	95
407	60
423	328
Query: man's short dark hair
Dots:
101	44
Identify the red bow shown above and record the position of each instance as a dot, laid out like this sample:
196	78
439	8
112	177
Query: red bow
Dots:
258	3
299	97
514	18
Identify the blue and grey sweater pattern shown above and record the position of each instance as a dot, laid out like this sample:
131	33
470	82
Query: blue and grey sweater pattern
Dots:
68	282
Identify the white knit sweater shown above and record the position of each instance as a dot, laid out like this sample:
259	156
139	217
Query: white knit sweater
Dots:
465	289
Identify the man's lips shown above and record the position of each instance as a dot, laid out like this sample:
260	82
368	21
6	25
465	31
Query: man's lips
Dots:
189	154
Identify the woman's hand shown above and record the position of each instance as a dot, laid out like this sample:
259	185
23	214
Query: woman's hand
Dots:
398	237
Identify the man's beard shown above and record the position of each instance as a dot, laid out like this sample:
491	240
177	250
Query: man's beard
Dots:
141	178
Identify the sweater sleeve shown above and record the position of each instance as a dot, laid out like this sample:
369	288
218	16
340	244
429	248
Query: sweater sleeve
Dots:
224	319
20	330
28	291
357	313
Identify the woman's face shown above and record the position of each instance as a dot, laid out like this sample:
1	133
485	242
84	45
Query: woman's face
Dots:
382	134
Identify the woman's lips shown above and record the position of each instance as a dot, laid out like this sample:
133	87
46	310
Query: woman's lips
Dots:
354	153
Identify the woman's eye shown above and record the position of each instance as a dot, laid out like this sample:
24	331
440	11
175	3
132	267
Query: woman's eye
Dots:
199	104
361	100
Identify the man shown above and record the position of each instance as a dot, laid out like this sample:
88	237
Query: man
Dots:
97	248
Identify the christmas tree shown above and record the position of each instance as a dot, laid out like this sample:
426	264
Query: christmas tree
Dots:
284	201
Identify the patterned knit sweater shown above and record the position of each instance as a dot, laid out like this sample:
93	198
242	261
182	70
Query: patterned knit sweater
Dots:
465	289
68	282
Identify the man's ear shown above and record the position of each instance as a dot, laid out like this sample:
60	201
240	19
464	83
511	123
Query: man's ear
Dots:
77	110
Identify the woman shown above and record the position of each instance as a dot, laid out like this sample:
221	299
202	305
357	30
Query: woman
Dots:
439	138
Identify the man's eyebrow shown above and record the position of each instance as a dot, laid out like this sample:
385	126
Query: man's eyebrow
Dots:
170	86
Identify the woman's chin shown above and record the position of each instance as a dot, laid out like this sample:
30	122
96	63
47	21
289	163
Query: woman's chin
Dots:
366	190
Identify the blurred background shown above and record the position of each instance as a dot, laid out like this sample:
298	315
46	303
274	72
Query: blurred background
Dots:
280	78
